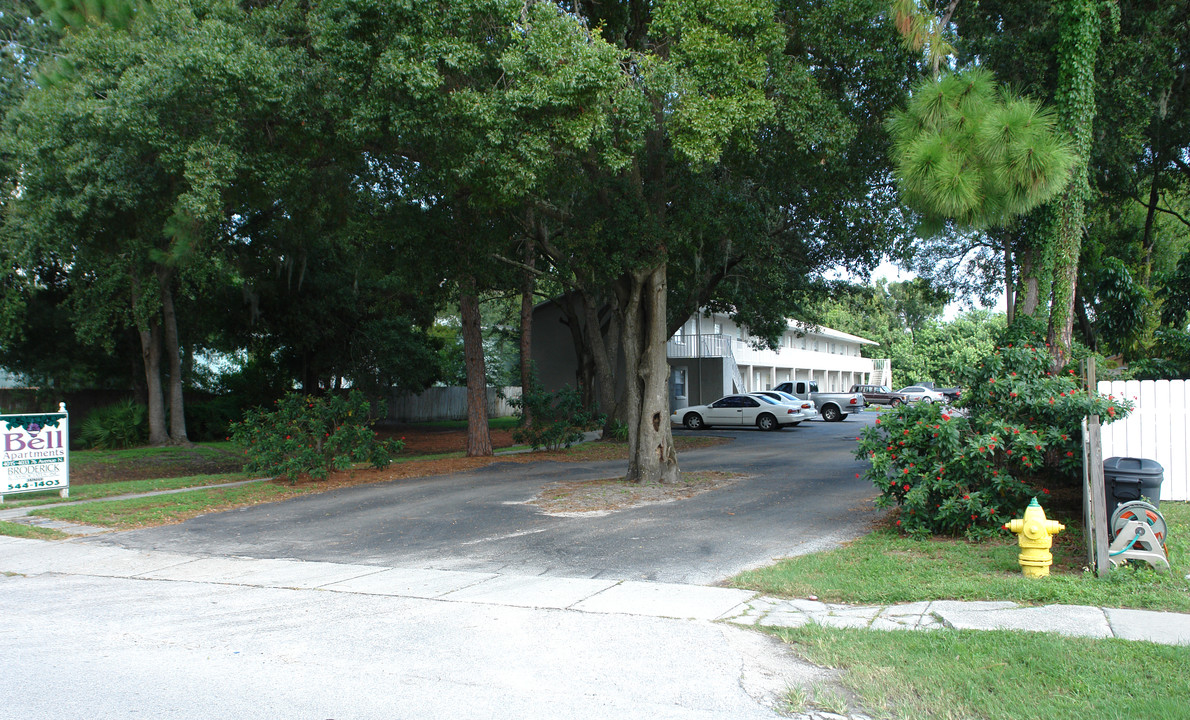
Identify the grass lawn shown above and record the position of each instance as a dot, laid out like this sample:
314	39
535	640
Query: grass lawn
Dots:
82	458
30	531
961	674
165	509
884	567
125	487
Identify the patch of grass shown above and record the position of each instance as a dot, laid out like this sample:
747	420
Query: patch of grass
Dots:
998	675
795	700
12	529
828	698
173	508
885	567
500	423
125	487
209	450
428	456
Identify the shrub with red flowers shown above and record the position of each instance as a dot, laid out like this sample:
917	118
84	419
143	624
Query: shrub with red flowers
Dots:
308	435
1016	434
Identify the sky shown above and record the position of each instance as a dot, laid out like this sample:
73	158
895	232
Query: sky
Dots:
894	273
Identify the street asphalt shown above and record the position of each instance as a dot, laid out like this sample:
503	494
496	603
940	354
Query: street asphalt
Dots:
802	495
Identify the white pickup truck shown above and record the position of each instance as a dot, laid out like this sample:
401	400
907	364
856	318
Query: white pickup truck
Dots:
833	406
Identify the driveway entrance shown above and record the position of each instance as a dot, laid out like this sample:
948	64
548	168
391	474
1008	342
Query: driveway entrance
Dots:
802	495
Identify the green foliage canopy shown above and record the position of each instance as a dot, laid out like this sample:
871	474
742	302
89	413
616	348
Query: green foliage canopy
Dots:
968	150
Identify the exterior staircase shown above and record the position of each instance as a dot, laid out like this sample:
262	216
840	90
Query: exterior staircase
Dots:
881	372
737	380
709	346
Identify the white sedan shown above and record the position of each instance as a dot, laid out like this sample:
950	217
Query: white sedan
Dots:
918	393
738	411
808	407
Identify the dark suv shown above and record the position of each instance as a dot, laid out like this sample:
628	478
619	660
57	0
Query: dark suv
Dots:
880	395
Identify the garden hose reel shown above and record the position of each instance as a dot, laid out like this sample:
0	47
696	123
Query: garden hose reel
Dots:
1138	533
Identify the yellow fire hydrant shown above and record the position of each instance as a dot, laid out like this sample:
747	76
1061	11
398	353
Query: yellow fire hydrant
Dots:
1034	535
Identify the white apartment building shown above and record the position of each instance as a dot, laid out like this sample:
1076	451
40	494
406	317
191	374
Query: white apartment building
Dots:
710	356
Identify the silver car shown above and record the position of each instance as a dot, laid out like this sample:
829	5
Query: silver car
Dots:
917	393
808	407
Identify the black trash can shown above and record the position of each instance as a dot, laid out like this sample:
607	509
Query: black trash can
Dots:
1126	479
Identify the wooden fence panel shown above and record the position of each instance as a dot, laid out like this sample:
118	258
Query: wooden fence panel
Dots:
1156	429
445	403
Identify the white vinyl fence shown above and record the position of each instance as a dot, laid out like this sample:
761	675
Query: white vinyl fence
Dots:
445	403
1156	429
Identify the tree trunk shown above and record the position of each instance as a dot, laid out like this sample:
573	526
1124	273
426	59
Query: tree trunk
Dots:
528	283
1078	45
1069	231
177	410
584	375
652	457
1027	306
1147	240
596	349
1084	322
1009	283
149	332
479	439
603	355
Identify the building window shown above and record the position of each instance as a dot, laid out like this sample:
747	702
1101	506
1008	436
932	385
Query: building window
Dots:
679	381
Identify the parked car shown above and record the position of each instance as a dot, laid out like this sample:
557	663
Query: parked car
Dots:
833	406
808	407
789	401
952	393
921	393
880	395
738	411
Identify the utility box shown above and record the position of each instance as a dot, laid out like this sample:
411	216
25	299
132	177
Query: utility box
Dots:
1126	479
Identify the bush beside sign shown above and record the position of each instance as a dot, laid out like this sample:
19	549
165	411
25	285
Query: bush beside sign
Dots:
35	453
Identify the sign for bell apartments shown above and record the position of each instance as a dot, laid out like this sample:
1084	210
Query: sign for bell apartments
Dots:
36	453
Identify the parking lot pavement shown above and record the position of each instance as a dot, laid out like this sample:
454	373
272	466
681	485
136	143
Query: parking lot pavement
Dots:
801	493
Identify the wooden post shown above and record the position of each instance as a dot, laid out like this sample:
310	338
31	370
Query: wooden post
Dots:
1096	520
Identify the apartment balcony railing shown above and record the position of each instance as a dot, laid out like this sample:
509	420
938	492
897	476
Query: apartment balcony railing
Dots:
694	346
708	346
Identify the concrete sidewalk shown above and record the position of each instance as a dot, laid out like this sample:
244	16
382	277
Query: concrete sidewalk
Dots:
583	595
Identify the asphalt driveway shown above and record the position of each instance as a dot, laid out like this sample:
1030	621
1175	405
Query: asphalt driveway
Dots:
802	495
